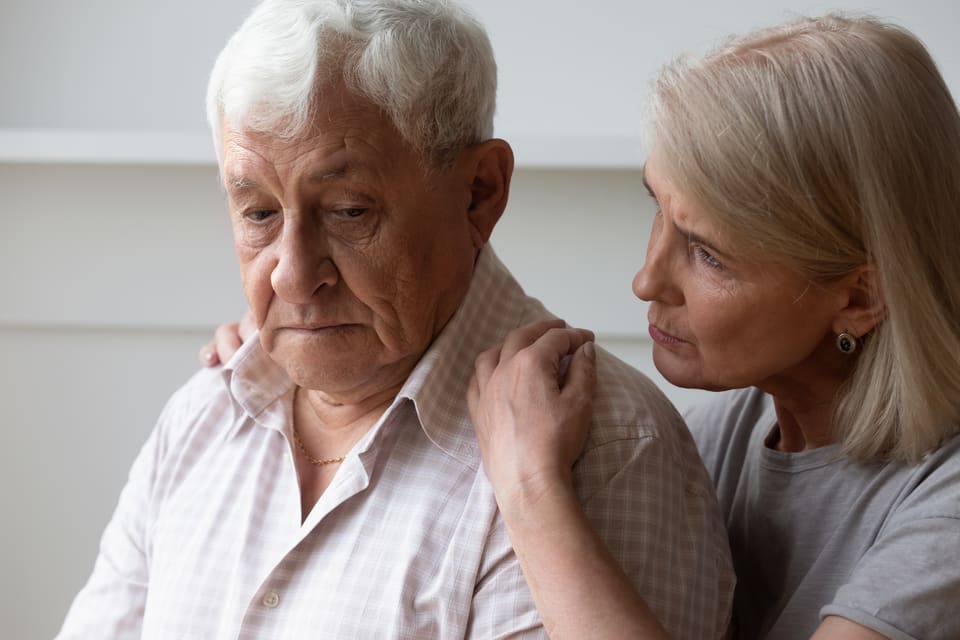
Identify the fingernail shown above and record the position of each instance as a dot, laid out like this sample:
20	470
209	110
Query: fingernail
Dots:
589	350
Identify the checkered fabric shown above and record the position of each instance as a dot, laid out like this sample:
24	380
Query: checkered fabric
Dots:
207	541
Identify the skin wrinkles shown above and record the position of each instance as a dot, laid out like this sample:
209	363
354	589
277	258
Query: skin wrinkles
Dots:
351	257
739	322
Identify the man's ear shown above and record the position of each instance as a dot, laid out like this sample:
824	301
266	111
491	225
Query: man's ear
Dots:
490	167
865	306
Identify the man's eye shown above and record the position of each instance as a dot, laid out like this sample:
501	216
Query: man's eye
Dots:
352	212
258	215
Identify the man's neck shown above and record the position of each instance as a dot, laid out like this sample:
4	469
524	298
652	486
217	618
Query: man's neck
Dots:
326	431
316	411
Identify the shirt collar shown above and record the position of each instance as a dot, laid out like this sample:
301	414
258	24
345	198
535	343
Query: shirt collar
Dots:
437	386
494	305
258	385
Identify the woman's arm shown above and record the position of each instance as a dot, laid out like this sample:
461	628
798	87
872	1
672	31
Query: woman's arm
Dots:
531	403
579	589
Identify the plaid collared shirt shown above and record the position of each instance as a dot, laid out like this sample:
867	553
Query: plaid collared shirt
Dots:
207	541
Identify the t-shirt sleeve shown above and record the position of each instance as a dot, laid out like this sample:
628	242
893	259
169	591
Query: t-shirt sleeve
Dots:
907	584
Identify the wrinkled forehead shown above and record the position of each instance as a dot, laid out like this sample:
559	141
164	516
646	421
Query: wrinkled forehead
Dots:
355	145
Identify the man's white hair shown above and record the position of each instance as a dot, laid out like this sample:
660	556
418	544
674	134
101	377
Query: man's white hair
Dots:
427	64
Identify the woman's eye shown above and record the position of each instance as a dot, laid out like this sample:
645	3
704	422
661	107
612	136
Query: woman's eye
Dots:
706	258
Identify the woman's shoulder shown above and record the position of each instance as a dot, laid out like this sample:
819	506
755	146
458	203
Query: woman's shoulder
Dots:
904	577
930	488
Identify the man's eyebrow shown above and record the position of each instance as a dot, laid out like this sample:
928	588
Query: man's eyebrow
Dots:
239	183
330	173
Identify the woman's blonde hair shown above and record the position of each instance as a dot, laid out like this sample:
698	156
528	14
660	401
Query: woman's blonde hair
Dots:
826	144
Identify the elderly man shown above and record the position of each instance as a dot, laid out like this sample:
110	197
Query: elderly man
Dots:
327	482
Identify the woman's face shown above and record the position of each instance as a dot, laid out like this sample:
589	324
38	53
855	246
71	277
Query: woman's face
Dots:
719	320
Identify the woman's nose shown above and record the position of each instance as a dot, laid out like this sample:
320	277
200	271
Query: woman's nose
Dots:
656	279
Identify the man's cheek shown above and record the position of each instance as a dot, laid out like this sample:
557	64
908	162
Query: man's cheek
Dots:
259	293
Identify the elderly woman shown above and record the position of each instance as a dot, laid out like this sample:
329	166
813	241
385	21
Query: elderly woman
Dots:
806	253
805	257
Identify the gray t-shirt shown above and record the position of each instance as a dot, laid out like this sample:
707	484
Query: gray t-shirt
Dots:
813	534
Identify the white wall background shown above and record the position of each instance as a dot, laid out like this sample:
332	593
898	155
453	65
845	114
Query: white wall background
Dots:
115	247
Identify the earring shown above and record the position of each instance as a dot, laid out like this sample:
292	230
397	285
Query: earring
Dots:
846	343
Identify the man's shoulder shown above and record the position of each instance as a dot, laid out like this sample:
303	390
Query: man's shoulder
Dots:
199	408
626	399
637	431
205	387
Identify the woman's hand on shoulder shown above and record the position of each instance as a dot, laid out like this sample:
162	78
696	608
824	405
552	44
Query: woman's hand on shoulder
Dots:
531	400
227	338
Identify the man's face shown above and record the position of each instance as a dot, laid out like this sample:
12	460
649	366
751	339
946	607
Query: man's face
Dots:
352	259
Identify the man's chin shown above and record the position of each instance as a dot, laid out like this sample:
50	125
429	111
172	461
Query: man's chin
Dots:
334	376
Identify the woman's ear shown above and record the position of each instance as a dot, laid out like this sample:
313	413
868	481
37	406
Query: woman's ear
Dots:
490	169
865	304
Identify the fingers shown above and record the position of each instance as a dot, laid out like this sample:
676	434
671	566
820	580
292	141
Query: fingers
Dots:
486	363
551	334
208	354
474	405
556	343
227	338
546	348
484	366
473	396
523	337
527	418
581	377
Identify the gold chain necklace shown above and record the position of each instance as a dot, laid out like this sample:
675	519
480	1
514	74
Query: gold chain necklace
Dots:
319	462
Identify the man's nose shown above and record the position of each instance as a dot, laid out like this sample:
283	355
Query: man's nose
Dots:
304	264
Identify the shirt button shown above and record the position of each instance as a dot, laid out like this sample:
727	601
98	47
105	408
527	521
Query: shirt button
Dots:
271	599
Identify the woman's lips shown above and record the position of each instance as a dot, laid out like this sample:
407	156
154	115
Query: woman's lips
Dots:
662	337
